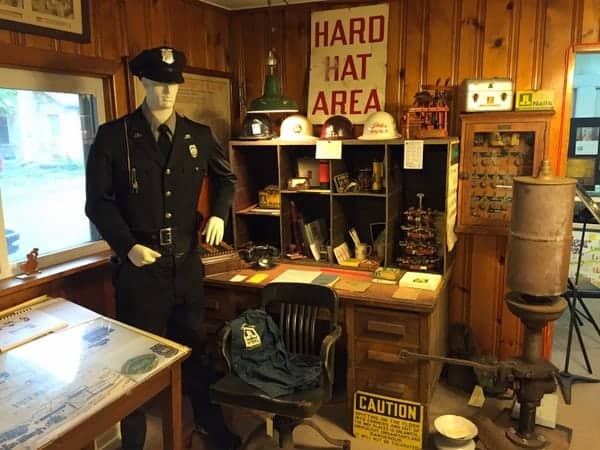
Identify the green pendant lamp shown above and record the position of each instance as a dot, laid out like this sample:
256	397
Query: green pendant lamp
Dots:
272	101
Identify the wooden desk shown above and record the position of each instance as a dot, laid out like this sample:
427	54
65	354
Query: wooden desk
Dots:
376	327
62	390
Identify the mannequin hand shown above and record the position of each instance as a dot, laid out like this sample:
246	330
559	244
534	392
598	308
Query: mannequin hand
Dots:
140	255
214	230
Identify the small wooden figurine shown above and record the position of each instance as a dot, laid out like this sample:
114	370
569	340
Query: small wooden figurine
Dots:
30	266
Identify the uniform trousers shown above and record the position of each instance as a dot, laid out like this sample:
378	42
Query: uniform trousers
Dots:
166	298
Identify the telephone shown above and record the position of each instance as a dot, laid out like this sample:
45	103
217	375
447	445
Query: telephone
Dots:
263	256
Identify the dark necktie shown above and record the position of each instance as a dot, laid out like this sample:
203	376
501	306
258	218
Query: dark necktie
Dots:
164	140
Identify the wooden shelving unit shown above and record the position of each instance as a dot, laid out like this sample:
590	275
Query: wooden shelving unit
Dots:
258	164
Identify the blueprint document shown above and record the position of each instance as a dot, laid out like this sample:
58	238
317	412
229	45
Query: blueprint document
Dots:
49	385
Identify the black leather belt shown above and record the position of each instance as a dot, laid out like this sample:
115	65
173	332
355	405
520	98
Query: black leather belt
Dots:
164	237
166	241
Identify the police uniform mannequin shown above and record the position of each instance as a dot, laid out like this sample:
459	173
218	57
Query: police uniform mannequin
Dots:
143	179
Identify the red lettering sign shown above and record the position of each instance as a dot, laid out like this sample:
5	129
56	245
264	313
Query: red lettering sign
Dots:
338	34
321	34
347	102
373	102
349	69
376	24
338	98
320	104
357	27
335	67
354	100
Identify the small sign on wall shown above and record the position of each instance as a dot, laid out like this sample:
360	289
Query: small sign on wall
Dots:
388	421
348	63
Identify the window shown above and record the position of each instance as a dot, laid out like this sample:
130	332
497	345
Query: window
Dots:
4	136
49	119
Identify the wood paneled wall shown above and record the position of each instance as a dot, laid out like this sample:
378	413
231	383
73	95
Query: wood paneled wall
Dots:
525	40
119	30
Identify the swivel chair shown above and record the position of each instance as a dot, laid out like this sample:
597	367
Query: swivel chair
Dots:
298	306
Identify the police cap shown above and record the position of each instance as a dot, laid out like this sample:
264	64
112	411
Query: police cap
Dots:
162	64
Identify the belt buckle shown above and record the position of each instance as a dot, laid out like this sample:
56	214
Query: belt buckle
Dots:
165	236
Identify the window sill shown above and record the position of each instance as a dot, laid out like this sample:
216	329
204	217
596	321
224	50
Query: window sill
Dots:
48	274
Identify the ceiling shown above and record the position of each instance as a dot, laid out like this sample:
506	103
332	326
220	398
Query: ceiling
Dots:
248	4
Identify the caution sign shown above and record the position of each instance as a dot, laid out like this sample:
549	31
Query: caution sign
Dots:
388	421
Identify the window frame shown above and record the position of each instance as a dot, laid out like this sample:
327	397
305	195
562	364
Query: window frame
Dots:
13	78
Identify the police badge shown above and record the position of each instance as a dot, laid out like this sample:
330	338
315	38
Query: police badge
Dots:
193	150
166	55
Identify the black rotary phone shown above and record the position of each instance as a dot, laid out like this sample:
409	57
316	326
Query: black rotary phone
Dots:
263	256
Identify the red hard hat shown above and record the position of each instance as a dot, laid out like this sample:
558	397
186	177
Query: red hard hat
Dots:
337	127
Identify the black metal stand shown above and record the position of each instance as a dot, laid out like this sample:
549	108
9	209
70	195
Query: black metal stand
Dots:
573	296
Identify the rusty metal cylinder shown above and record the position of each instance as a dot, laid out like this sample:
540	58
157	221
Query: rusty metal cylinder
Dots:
540	237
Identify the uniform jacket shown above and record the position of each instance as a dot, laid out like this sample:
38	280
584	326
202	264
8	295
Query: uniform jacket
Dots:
260	359
167	191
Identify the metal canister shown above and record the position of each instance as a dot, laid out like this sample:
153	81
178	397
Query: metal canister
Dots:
540	238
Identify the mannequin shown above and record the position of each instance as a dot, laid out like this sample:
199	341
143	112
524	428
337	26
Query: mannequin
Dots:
143	179
160	99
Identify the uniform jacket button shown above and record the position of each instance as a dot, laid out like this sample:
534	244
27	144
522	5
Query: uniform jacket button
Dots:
167	171
168	215
167	193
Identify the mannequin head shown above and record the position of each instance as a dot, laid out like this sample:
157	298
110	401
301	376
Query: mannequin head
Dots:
161	71
160	96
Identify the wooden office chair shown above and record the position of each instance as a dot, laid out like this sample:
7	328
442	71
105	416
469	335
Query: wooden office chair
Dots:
298	306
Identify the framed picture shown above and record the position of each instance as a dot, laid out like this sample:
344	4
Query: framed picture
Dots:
341	181
584	137
583	170
60	19
204	97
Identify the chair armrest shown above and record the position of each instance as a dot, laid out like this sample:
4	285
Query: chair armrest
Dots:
327	353
224	344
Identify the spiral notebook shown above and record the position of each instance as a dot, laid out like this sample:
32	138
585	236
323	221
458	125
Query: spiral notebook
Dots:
25	325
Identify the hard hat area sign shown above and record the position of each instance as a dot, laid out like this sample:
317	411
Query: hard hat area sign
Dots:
348	59
388	421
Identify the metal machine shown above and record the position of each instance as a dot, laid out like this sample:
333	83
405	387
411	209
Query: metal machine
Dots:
538	264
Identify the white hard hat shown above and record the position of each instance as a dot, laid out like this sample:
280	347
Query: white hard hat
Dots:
296	128
380	126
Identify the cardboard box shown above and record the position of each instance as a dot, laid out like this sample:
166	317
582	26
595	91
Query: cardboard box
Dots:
531	100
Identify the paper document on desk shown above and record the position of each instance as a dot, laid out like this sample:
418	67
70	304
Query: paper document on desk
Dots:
297	276
25	325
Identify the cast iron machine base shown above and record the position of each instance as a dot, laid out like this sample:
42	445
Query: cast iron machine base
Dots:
530	376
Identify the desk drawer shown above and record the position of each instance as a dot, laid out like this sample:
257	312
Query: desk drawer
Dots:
218	304
227	304
378	355
389	326
390	383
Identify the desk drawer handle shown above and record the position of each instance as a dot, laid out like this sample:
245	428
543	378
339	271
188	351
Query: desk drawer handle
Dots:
385	357
213	305
384	327
398	388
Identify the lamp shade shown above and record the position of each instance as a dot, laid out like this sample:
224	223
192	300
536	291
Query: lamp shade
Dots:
272	101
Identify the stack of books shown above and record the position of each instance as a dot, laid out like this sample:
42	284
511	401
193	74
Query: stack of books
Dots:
420	280
387	275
